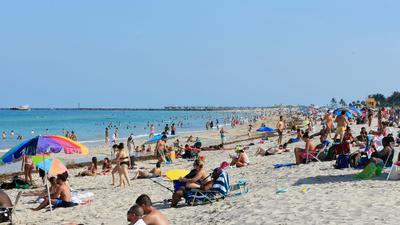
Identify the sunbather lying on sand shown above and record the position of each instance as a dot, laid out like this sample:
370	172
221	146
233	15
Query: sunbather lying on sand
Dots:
92	169
60	198
299	134
155	172
272	151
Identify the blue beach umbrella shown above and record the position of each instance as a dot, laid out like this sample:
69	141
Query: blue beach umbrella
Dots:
265	129
338	112
357	111
157	138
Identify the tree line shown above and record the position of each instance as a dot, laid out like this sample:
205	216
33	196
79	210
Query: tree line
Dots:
393	99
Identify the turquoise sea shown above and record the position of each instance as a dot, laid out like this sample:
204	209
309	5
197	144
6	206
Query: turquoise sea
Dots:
89	125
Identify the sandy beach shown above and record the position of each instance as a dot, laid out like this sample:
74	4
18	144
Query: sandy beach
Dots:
316	194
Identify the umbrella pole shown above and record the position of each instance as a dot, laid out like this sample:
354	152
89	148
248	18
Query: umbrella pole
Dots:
48	190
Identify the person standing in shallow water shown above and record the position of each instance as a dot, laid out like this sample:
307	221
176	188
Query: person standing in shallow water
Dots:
152	131
106	135
173	129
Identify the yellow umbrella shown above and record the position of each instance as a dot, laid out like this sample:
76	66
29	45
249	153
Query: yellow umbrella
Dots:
175	174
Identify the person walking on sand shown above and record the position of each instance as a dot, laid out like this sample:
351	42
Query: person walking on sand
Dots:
342	123
152	131
222	133
152	215
124	163
280	126
329	122
160	149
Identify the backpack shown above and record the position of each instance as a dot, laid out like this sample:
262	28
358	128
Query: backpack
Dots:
342	161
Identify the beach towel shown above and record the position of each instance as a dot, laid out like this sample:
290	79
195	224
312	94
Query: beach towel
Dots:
279	165
82	198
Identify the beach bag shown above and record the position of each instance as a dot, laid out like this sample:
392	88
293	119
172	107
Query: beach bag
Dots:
5	215
342	161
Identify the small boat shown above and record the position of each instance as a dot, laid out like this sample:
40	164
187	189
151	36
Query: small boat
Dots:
22	108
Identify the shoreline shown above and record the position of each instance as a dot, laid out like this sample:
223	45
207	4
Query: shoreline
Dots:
102	150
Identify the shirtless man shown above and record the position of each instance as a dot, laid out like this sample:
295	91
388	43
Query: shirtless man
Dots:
280	126
152	215
61	196
342	123
160	149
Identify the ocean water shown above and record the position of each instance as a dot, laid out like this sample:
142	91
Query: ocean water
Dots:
90	126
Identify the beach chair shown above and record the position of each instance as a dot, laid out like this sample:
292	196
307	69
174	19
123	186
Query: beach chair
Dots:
219	190
8	214
15	206
318	151
393	173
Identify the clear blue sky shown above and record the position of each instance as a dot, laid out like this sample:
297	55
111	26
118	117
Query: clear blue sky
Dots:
156	53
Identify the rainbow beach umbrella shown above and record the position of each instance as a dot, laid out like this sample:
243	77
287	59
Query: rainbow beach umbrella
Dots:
43	144
51	166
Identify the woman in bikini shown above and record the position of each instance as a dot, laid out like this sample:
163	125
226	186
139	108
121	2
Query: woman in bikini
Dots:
92	170
123	162
197	178
116	167
27	166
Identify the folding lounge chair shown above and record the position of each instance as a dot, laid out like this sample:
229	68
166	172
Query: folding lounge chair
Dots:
393	169
310	156
8	214
219	190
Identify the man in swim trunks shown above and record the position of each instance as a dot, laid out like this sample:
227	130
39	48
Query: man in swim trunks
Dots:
280	126
152	215
61	196
329	122
342	123
160	148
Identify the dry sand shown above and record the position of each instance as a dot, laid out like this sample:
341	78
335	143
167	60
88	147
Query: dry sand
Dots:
334	196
